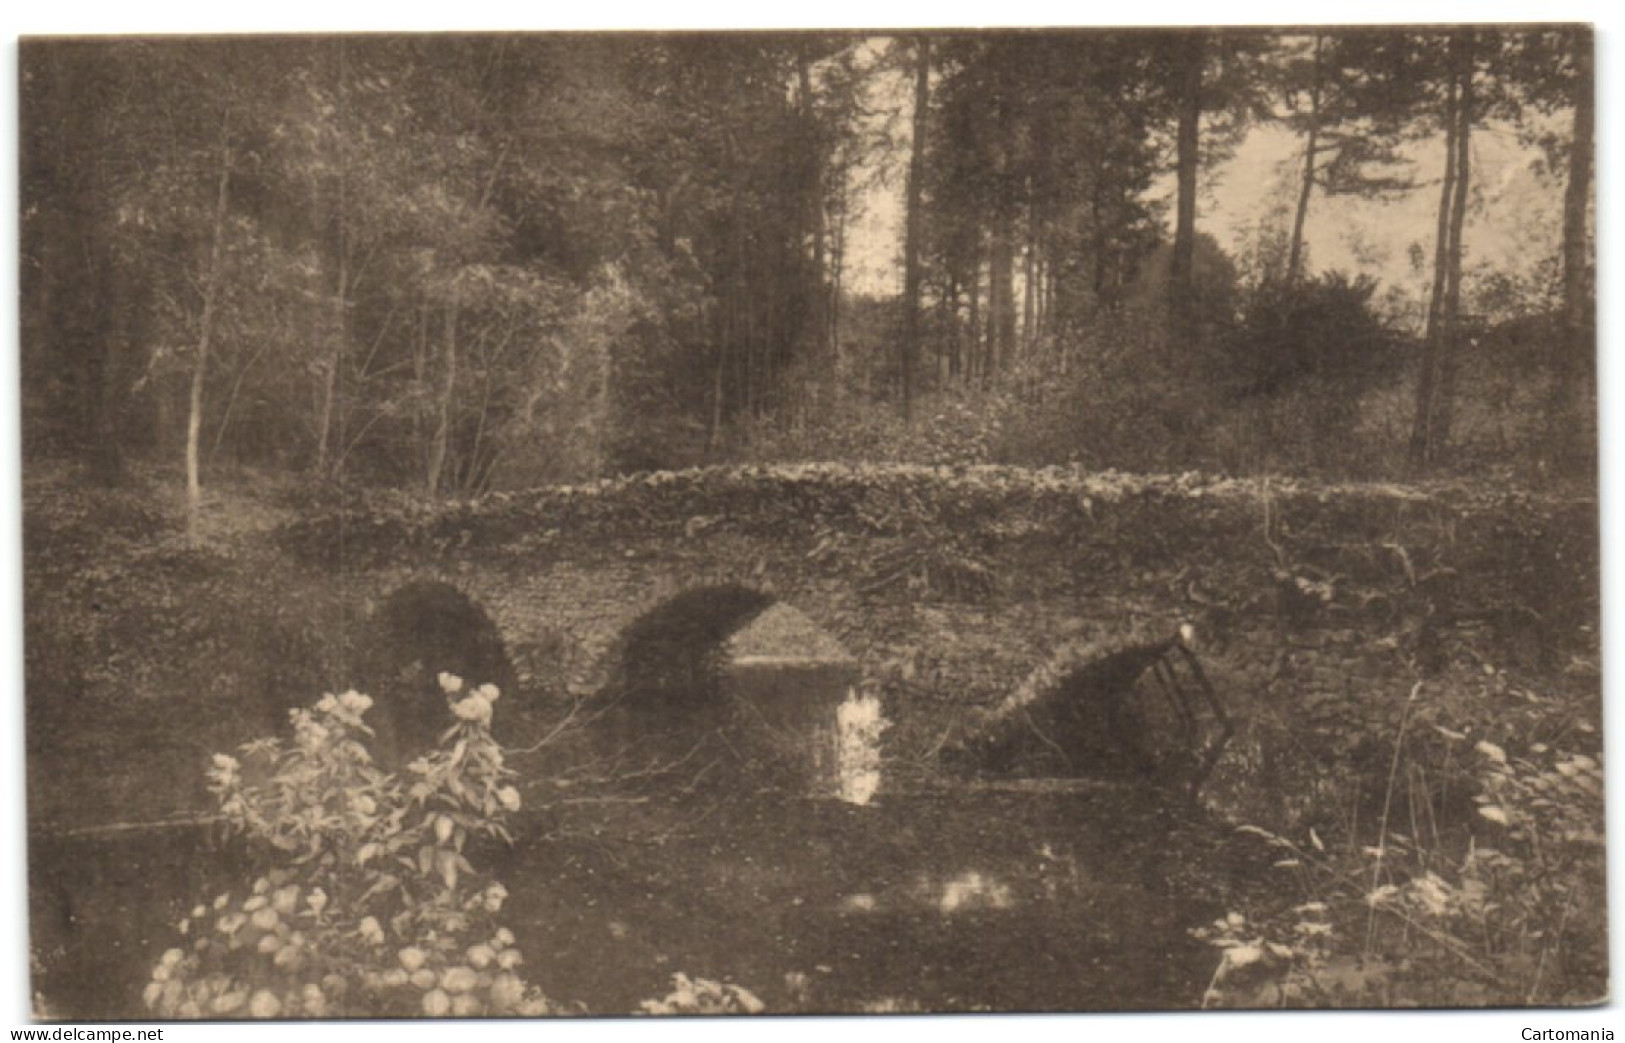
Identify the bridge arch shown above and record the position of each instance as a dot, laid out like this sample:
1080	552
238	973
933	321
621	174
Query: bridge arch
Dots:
728	678
421	629
667	659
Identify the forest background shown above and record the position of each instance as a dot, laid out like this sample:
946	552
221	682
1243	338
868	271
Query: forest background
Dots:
449	265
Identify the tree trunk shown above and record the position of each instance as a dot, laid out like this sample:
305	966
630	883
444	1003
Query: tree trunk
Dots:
200	365
1575	350
1421	451
1450	342
335	361
1029	287
420	371
837	271
1097	233
837	275
1182	269
814	198
720	334
1001	304
1294	262
974	364
713	437
442	432
911	242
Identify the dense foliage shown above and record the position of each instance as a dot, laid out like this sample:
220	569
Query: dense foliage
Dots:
1298	361
1445	904
457	264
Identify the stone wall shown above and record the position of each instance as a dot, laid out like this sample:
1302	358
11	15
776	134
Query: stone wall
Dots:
951	587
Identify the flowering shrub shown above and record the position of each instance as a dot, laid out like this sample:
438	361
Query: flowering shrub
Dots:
366	904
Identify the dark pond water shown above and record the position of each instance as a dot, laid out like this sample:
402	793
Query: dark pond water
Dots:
102	908
955	900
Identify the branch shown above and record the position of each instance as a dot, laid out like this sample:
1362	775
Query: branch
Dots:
378	340
558	729
231	401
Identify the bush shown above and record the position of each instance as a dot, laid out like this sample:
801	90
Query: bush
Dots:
1297	364
1324	330
1507	917
363	901
704	996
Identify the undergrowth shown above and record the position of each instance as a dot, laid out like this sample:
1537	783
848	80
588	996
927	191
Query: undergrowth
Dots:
1498	899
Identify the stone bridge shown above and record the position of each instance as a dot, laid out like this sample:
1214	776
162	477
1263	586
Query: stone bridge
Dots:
950	588
947	597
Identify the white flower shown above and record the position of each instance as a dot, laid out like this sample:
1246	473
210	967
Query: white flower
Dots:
459	979
355	702
506	992
474	708
451	684
264	1005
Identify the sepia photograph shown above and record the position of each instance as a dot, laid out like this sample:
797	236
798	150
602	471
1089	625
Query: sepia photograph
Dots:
538	525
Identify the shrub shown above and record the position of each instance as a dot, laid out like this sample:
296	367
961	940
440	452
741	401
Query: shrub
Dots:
704	996
1297	364
1509	920
1324	330
363	901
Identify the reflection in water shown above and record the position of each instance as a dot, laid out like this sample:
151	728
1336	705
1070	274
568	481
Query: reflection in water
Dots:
860	723
972	890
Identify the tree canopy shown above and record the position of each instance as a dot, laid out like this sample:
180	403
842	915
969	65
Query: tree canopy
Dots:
457	263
